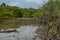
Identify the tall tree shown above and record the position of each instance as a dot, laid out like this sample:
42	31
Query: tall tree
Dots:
3	4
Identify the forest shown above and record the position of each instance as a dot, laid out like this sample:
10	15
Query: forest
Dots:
10	12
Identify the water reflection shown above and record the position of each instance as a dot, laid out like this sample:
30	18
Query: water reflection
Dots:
25	33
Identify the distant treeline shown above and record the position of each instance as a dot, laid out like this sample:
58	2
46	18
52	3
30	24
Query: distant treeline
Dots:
10	12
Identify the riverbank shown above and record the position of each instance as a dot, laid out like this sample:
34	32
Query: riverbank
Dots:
15	23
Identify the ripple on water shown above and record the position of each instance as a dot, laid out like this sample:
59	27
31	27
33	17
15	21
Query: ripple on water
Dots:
25	33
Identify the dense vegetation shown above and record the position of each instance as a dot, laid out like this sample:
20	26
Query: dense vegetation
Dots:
9	12
50	21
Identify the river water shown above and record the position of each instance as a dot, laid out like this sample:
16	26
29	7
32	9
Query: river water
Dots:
25	33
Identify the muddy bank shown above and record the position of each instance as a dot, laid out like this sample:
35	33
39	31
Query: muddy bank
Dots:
6	24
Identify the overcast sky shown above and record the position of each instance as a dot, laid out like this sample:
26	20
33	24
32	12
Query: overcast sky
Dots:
24	3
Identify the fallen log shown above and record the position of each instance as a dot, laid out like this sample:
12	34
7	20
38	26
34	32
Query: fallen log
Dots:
8	31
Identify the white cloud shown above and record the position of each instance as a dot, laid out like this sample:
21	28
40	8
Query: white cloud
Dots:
28	0
39	1
23	3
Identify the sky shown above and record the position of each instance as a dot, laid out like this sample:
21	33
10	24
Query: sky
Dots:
24	3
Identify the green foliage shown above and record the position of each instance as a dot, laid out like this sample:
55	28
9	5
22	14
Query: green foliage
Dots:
51	13
11	12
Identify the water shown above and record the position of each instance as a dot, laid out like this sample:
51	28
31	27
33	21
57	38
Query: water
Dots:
25	33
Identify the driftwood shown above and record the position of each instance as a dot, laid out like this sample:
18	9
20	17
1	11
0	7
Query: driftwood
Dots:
7	31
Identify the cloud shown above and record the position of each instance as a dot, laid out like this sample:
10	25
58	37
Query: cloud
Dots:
24	3
39	1
28	0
